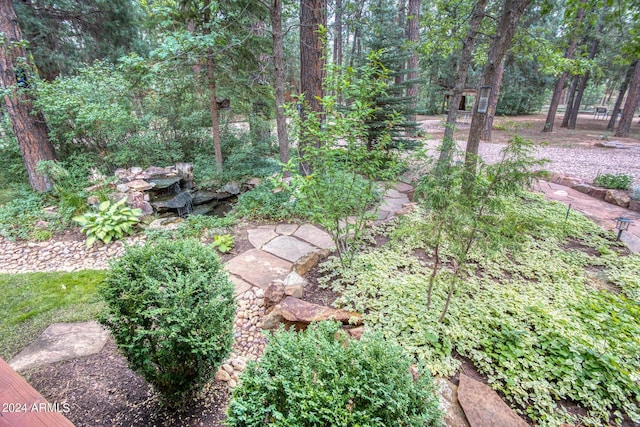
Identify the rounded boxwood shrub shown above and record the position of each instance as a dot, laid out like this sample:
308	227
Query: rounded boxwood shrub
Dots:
319	377
170	308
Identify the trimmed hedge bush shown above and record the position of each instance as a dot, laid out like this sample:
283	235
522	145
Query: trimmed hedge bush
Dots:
319	377
171	308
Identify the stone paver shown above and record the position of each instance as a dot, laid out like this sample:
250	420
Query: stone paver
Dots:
599	211
241	285
289	248
483	407
315	236
258	237
61	341
286	229
258	267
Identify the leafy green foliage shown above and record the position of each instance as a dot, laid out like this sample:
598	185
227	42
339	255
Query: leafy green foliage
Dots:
269	201
614	181
223	242
529	312
32	301
110	221
170	309
337	185
320	377
24	217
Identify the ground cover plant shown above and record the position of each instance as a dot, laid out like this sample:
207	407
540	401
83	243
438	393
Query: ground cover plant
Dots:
170	308
320	377
30	302
619	181
549	311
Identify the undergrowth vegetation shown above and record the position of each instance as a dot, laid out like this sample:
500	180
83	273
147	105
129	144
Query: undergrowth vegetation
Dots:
319	377
549	311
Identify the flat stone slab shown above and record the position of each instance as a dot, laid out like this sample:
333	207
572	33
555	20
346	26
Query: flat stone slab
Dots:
612	144
289	248
395	194
286	229
403	187
393	205
315	236
62	341
483	407
258	268
258	237
241	285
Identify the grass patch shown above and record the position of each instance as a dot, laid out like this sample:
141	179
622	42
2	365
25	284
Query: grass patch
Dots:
30	302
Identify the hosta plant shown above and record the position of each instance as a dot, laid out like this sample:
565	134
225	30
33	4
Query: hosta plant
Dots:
110	221
223	242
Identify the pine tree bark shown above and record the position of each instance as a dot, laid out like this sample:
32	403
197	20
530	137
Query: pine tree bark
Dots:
29	126
559	87
312	19
623	90
493	103
279	79
337	40
465	56
624	127
413	36
583	84
401	22
570	98
512	11
213	105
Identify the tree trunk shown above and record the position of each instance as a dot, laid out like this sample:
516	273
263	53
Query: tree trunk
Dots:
623	89
413	37
583	83
466	54
215	122
512	10
559	87
356	34
401	23
29	127
570	98
630	106
493	103
312	19
337	40
279	79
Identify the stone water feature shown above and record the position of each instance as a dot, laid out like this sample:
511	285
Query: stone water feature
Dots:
170	191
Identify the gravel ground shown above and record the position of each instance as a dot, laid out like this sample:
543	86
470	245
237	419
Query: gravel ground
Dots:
583	162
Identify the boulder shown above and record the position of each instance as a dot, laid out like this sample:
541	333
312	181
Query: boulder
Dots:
634	205
180	200
598	192
294	285
139	185
303	265
232	187
617	197
583	188
299	314
453	415
483	407
274	293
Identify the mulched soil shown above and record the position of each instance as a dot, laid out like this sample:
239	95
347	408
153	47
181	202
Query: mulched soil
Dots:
102	391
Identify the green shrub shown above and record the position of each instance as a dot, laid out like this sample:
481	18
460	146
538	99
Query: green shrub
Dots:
24	217
319	378
266	201
110	221
170	309
619	181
